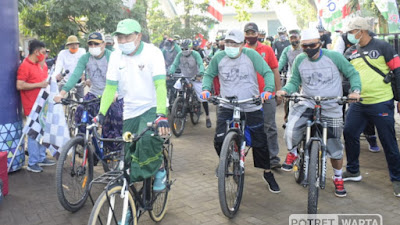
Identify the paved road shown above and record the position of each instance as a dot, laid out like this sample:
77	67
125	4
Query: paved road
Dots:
194	199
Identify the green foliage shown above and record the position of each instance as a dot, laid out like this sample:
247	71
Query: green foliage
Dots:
52	21
241	7
188	25
305	12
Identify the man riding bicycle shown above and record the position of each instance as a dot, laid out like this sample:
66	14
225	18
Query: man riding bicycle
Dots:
318	72
137	70
95	62
191	64
237	69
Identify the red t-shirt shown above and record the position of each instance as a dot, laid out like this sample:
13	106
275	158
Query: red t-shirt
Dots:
30	73
269	56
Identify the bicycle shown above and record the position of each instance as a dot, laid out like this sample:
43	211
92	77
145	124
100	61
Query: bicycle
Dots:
186	101
74	169
121	202
310	166
232	157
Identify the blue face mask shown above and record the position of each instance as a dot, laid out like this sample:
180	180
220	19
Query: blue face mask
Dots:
232	52
352	38
128	48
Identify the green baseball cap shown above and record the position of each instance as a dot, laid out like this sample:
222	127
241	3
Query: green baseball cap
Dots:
127	26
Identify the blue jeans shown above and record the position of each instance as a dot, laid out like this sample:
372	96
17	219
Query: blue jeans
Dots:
37	152
382	115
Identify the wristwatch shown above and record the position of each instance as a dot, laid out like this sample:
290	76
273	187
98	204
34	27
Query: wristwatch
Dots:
357	91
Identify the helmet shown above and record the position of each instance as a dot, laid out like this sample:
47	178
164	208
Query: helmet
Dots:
177	37
196	43
281	29
186	44
262	32
320	28
270	38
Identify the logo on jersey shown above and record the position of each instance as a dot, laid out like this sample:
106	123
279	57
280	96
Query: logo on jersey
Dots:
263	54
141	66
374	54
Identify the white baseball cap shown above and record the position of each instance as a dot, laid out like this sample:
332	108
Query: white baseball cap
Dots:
235	35
310	34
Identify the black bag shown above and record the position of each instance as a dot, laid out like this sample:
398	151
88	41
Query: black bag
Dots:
386	77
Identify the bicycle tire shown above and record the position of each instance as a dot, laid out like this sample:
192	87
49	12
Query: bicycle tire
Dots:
230	146
313	186
195	109
84	179
71	122
178	117
95	217
299	164
158	215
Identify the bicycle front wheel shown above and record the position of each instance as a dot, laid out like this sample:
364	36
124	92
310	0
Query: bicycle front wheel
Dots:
313	184
230	175
195	109
74	174
160	200
71	120
108	208
178	117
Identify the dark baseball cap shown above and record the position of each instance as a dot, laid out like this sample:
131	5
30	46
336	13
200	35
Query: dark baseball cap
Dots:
95	37
251	26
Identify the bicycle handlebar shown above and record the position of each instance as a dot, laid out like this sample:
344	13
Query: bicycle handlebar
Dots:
234	101
65	101
320	98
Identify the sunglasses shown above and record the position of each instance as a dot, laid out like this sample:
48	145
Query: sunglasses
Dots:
311	45
93	43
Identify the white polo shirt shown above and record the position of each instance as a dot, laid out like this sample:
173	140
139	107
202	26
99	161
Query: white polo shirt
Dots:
68	61
134	75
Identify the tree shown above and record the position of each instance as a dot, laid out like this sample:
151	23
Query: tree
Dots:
305	11
188	25
54	20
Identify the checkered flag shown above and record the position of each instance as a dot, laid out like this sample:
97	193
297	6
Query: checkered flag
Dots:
46	121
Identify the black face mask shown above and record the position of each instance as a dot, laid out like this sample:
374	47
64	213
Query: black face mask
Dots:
311	51
295	43
261	39
251	40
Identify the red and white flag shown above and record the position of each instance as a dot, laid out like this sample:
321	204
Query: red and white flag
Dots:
215	7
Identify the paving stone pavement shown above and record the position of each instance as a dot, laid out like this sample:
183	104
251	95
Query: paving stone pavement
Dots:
194	195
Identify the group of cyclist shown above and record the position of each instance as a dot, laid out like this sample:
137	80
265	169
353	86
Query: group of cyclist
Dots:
132	83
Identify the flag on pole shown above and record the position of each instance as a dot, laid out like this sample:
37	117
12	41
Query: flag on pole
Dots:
46	122
215	7
389	11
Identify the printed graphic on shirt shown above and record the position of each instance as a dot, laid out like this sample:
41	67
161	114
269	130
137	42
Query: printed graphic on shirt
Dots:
317	78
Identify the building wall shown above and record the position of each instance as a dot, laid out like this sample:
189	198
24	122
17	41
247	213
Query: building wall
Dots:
229	22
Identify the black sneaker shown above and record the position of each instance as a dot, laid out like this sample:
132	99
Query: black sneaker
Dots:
208	123
270	180
347	176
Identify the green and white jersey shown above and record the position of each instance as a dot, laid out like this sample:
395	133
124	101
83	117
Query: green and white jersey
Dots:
136	76
238	77
287	58
321	77
190	65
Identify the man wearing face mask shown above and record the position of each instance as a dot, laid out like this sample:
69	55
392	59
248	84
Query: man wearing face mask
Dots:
287	58
237	68
95	63
67	59
191	65
109	42
170	50
281	43
269	106
137	70
31	77
317	71
325	38
378	103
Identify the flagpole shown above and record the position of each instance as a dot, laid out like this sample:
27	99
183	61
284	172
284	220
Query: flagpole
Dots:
15	152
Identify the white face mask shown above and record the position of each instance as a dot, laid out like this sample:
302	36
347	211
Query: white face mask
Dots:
128	48
95	51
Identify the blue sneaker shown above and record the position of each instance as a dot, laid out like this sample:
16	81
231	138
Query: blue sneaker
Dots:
159	181
373	146
47	162
34	168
